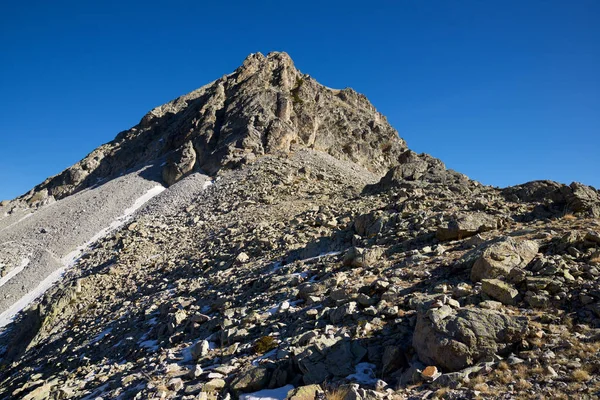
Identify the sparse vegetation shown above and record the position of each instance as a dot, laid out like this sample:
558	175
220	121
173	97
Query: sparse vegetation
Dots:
580	375
296	91
338	393
264	344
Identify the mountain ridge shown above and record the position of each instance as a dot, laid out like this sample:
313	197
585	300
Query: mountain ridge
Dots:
268	238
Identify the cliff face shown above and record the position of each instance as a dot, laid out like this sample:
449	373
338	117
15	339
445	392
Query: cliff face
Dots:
266	106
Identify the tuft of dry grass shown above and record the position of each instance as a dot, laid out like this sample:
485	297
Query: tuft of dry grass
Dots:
441	393
580	375
569	217
264	344
482	387
522	384
336	394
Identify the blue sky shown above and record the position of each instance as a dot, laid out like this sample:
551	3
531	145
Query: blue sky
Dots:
503	91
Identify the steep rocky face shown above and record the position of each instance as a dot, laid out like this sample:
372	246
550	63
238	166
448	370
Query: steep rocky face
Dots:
265	106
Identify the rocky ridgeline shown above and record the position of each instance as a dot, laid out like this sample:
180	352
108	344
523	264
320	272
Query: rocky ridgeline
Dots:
305	272
265	106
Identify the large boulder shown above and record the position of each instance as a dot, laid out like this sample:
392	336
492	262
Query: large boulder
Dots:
499	257
455	339
329	358
466	225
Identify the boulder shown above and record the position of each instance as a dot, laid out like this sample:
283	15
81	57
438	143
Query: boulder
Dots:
324	360
465	225
557	198
465	337
413	167
500	290
499	257
251	380
359	257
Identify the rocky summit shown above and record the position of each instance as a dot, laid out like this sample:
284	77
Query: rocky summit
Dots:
267	237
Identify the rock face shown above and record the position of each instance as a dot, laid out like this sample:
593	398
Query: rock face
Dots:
265	106
180	163
458	339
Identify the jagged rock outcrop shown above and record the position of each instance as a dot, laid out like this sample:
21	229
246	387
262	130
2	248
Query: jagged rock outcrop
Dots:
265	106
554	198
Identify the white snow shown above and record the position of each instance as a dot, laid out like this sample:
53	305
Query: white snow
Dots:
15	223
8	315
14	271
277	265
365	374
257	360
268	394
207	184
73	256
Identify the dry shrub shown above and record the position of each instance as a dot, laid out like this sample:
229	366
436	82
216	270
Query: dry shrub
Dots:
336	394
580	375
522	384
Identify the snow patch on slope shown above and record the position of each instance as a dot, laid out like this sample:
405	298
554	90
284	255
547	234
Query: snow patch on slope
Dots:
70	259
14	271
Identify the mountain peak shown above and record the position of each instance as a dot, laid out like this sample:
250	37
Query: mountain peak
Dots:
265	106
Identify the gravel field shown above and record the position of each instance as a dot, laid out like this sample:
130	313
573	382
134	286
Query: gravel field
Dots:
53	236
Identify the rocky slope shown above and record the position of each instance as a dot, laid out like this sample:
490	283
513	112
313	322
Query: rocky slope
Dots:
339	265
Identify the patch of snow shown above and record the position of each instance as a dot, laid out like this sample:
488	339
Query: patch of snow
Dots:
97	392
15	223
268	394
365	374
277	265
257	360
8	315
14	271
302	275
73	256
331	253
205	309
207	184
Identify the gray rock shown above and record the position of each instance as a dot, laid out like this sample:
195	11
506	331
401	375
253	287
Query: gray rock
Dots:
466	225
502	291
465	337
358	257
180	163
251	380
500	256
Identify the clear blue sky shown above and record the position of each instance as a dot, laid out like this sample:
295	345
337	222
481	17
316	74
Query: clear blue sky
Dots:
503	91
